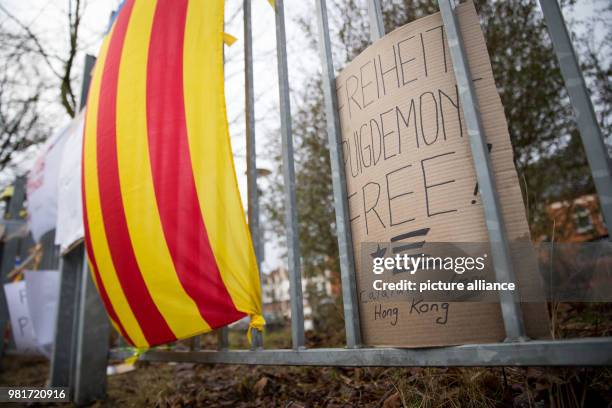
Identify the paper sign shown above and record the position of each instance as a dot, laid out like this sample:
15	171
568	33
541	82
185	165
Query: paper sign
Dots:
42	183
21	323
42	292
69	201
410	174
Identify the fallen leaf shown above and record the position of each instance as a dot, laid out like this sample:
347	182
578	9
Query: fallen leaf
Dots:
394	401
260	385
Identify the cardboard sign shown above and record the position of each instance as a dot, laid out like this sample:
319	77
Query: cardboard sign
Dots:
410	174
21	322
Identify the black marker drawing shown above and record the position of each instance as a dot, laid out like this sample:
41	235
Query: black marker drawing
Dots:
408	246
379	253
410	234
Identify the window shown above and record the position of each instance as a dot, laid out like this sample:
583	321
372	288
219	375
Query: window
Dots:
583	220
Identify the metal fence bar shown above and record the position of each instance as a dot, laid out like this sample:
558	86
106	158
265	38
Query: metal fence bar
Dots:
575	352
50	251
502	262
343	227
92	333
377	25
90	61
222	339
249	102
291	224
222	333
592	138
196	343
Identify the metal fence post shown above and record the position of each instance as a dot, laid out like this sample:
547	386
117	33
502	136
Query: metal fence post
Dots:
502	262
377	25
64	344
291	222
80	351
592	138
343	227
10	249
249	105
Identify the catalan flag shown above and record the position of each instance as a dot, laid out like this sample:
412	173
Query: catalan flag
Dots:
165	231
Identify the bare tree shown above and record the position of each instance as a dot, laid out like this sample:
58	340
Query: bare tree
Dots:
60	66
20	94
29	70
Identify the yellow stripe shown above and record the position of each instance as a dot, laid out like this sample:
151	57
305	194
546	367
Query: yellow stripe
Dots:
95	281
213	168
94	211
136	180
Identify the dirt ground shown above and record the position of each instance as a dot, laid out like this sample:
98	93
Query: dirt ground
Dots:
190	385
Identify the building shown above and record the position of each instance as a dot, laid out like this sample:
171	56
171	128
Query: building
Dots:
276	294
579	220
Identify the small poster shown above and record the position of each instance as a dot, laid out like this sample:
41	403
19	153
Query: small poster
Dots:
21	321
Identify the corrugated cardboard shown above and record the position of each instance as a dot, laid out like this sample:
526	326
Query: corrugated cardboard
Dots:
409	170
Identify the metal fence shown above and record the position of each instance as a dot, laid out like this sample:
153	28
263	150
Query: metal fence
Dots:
81	350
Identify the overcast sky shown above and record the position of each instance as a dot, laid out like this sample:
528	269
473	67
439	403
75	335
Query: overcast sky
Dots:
47	18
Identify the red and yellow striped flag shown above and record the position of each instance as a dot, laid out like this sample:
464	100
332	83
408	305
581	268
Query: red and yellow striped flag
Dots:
166	235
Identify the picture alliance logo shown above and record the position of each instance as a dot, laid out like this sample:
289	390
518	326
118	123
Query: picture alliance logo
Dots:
422	262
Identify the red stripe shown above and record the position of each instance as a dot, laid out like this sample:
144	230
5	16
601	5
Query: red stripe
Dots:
90	253
154	327
100	285
173	178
